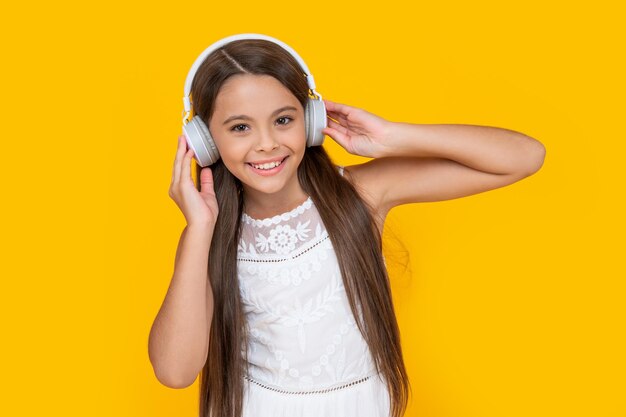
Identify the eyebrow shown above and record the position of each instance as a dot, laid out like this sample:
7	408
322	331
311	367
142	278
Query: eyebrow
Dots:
244	117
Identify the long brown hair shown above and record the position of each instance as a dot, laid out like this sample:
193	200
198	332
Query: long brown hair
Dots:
346	216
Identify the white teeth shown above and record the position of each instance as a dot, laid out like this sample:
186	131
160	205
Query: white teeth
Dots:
268	165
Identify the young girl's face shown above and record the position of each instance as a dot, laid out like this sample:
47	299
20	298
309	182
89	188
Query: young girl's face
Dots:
258	128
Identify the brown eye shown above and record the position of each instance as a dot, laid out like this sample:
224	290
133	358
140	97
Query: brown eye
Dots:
285	118
234	128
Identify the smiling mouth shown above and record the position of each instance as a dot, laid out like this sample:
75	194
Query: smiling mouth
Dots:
268	165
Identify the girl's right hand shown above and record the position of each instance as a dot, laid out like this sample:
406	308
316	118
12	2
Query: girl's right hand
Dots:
199	208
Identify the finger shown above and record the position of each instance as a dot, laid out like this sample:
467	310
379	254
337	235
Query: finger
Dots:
333	113
180	151
337	136
337	116
206	181
337	127
186	169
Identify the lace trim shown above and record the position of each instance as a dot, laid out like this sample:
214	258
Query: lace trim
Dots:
308	203
320	391
283	259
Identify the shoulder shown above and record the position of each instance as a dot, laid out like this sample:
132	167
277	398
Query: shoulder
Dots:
361	180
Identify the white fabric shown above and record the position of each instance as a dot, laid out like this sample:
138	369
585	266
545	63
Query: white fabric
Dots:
303	336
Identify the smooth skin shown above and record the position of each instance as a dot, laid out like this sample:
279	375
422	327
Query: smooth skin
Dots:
179	338
269	126
428	162
411	163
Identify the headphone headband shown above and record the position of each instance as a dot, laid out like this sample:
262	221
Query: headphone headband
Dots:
220	43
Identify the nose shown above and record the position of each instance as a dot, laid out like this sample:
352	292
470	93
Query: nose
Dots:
266	142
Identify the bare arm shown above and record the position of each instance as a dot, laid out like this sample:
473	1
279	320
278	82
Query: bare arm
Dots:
429	162
179	337
422	163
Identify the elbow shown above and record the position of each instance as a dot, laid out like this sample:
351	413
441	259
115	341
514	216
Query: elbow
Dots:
539	158
535	157
174	381
174	375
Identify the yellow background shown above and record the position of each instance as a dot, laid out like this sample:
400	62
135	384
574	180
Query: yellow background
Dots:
513	303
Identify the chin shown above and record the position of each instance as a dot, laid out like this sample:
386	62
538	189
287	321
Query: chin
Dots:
266	188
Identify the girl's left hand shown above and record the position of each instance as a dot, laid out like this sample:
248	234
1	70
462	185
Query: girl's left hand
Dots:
356	130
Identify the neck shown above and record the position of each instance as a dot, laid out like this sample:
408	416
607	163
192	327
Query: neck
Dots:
259	205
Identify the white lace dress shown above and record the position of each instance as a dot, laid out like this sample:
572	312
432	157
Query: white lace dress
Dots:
306	356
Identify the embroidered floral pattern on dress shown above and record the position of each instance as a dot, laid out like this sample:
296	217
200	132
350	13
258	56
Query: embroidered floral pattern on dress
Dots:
337	371
298	314
282	239
302	331
306	262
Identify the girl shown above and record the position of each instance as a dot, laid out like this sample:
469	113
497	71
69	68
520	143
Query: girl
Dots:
280	298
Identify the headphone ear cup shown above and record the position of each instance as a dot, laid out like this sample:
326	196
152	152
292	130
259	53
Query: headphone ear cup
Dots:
199	139
315	120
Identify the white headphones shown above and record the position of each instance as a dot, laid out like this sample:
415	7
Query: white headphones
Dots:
196	131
